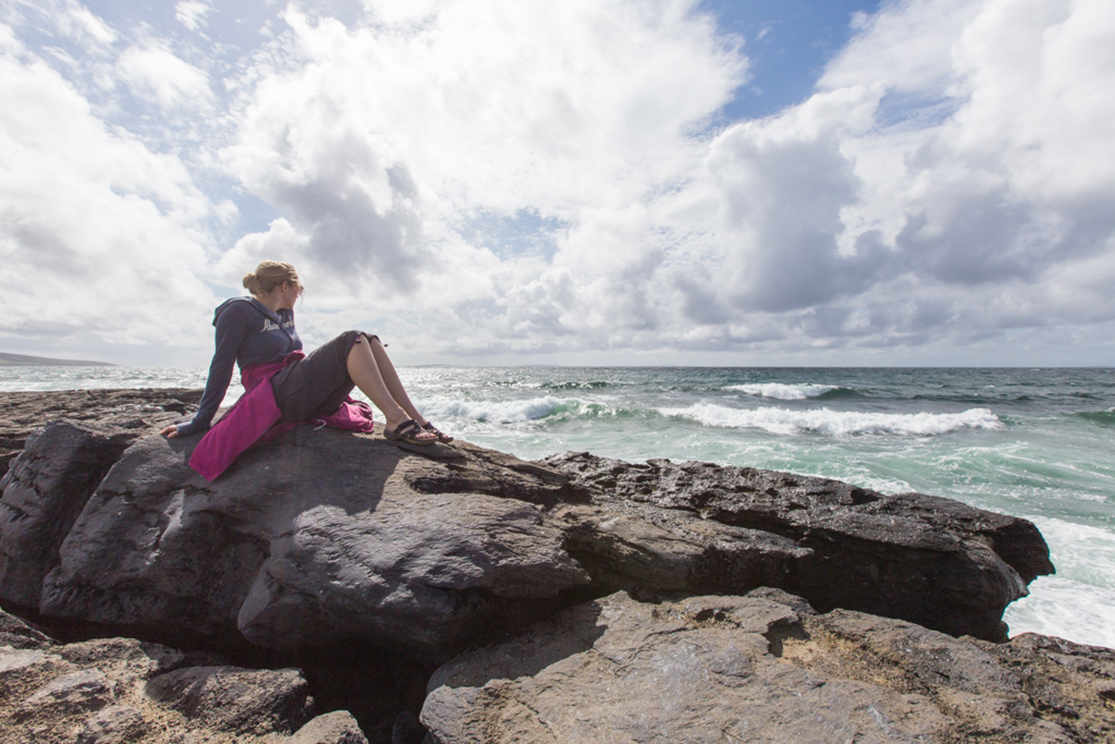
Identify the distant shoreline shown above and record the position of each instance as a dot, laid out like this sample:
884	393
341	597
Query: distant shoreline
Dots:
24	360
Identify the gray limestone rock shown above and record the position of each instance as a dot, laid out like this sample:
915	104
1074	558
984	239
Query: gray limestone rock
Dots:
760	668
327	537
318	537
44	491
921	558
237	701
327	545
133	412
117	724
16	633
338	727
80	691
25	671
124	691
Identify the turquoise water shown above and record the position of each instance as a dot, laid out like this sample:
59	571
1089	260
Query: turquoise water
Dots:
1035	443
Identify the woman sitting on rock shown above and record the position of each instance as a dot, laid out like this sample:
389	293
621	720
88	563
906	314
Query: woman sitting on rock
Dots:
258	333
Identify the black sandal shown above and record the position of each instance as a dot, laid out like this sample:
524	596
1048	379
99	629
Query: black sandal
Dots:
407	432
441	436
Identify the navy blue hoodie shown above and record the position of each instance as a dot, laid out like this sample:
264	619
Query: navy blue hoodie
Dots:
247	333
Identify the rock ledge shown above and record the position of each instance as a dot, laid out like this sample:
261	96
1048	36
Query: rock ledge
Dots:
356	568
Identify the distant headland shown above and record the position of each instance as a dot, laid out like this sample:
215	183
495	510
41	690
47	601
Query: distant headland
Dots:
23	360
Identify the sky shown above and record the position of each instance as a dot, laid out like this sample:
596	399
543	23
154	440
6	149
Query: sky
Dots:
596	182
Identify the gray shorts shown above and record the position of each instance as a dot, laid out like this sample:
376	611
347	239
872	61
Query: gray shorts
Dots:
318	384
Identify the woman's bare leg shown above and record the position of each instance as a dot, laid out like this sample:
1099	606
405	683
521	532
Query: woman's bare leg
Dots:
365	372
392	381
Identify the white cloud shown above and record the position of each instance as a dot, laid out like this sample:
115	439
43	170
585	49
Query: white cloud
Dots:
983	215
69	19
98	235
81	25
1034	73
907	46
154	72
950	181
379	141
782	184
192	13
944	182
519	178
9	44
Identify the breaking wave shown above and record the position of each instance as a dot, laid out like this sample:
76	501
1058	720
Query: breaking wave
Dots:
836	423
782	391
585	385
499	411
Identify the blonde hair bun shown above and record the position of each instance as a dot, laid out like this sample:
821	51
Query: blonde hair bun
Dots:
268	275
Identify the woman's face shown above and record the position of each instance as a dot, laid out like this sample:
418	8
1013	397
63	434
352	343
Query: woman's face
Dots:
289	292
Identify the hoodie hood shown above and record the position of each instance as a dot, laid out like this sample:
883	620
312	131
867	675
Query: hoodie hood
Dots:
251	301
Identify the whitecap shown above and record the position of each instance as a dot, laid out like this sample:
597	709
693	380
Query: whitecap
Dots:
510	411
782	391
836	423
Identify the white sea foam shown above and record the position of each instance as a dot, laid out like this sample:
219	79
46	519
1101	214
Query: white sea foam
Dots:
1078	603
782	391
1079	551
510	411
1067	609
836	423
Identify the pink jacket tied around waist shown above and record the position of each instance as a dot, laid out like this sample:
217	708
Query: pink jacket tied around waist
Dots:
254	419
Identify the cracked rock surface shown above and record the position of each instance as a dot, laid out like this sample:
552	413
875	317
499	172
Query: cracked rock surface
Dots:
764	668
920	558
133	412
124	691
577	598
317	537
328	534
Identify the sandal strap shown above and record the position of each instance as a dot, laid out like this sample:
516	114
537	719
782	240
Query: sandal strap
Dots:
441	436
408	428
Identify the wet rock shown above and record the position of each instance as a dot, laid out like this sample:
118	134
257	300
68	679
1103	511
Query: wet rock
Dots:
329	537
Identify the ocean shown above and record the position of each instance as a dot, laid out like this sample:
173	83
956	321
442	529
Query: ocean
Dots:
1034	443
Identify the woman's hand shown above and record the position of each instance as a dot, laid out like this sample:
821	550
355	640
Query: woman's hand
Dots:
170	432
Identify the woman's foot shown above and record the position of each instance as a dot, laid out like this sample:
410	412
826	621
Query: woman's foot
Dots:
441	436
411	432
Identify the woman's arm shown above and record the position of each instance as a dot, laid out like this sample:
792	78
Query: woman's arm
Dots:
231	331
